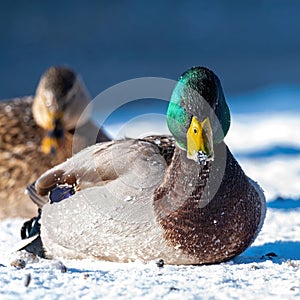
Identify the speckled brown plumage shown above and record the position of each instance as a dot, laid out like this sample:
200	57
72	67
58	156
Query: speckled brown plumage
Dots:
21	160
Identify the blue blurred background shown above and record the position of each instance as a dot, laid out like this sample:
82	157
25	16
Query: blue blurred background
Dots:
249	44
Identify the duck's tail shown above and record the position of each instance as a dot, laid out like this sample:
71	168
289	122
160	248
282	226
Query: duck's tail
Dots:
37	199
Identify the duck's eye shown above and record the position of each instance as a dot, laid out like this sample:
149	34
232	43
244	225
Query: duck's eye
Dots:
195	130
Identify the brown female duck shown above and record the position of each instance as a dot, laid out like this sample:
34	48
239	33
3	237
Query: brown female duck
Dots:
37	134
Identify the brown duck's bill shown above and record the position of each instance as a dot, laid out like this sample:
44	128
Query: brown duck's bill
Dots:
54	134
200	140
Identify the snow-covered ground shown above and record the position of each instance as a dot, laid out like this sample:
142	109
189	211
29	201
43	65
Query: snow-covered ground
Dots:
265	138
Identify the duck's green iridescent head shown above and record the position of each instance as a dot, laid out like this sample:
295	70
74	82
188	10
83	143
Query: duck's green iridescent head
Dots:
198	104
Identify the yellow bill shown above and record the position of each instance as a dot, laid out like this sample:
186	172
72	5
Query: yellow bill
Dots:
54	133
199	140
49	144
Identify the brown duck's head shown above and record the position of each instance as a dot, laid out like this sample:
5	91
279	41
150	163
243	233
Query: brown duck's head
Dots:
59	103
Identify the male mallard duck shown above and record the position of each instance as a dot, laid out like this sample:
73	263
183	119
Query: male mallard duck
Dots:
36	134
127	200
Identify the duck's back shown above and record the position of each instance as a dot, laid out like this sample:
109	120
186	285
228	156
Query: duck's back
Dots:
112	215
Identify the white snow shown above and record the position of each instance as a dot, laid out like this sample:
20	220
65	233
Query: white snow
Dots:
267	145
